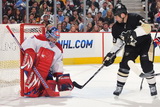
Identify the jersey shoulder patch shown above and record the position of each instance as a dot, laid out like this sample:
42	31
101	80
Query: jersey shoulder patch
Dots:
59	46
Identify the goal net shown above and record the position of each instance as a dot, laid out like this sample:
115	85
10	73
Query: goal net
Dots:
10	55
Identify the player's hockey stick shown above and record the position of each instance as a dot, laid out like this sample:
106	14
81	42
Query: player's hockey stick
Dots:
81	86
45	85
135	69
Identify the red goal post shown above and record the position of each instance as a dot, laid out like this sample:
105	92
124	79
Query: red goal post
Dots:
11	57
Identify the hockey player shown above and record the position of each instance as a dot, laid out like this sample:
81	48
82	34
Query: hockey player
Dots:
44	53
130	29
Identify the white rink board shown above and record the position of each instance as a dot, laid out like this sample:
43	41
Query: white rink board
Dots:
81	44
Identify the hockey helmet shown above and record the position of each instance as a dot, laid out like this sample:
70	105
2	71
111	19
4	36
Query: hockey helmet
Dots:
53	32
119	8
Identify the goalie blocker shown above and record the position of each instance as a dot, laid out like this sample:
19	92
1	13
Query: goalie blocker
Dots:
42	61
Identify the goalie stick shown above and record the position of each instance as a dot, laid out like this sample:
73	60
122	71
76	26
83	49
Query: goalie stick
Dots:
81	86
45	85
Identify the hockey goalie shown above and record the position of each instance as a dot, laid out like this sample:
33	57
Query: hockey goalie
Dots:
45	54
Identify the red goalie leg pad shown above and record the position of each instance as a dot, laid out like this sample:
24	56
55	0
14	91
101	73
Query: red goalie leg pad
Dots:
44	61
64	82
52	85
33	87
28	60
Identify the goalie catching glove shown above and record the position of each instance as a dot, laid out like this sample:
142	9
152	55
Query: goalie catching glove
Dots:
156	42
109	59
129	37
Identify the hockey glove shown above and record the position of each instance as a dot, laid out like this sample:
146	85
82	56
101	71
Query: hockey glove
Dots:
109	59
129	37
64	82
156	42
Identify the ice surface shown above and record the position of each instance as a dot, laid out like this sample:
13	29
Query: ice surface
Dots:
97	93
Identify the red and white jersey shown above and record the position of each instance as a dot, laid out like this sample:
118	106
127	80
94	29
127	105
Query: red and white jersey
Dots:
37	41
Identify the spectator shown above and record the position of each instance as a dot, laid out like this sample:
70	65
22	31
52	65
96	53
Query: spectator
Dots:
60	16
157	15
89	18
43	8
95	28
31	17
5	19
89	27
105	27
35	13
12	20
99	16
75	17
67	11
31	2
33	21
80	9
64	25
9	12
109	17
104	9
46	1
58	4
59	27
81	25
45	20
50	16
93	10
94	2
76	3
73	29
18	16
152	11
100	24
66	19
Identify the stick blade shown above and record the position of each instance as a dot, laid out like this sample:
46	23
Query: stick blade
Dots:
77	85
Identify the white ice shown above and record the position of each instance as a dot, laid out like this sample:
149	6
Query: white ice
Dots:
97	93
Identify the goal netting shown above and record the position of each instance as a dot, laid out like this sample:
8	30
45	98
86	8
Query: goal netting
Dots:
10	55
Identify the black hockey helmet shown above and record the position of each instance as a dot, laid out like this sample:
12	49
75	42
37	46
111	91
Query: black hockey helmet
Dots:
119	8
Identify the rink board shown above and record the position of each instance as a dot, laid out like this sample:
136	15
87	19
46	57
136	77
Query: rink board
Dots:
79	48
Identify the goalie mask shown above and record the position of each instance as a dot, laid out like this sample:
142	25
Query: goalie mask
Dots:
119	9
52	32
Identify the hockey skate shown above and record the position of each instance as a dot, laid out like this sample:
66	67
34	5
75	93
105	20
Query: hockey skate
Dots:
118	90
153	90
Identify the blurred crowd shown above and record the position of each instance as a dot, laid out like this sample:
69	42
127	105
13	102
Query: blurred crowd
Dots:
69	15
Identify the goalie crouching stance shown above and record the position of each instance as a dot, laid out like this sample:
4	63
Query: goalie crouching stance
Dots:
45	53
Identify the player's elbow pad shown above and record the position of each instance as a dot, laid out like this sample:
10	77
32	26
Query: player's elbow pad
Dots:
28	60
144	29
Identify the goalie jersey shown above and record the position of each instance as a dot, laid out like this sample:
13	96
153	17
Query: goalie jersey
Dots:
37	41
